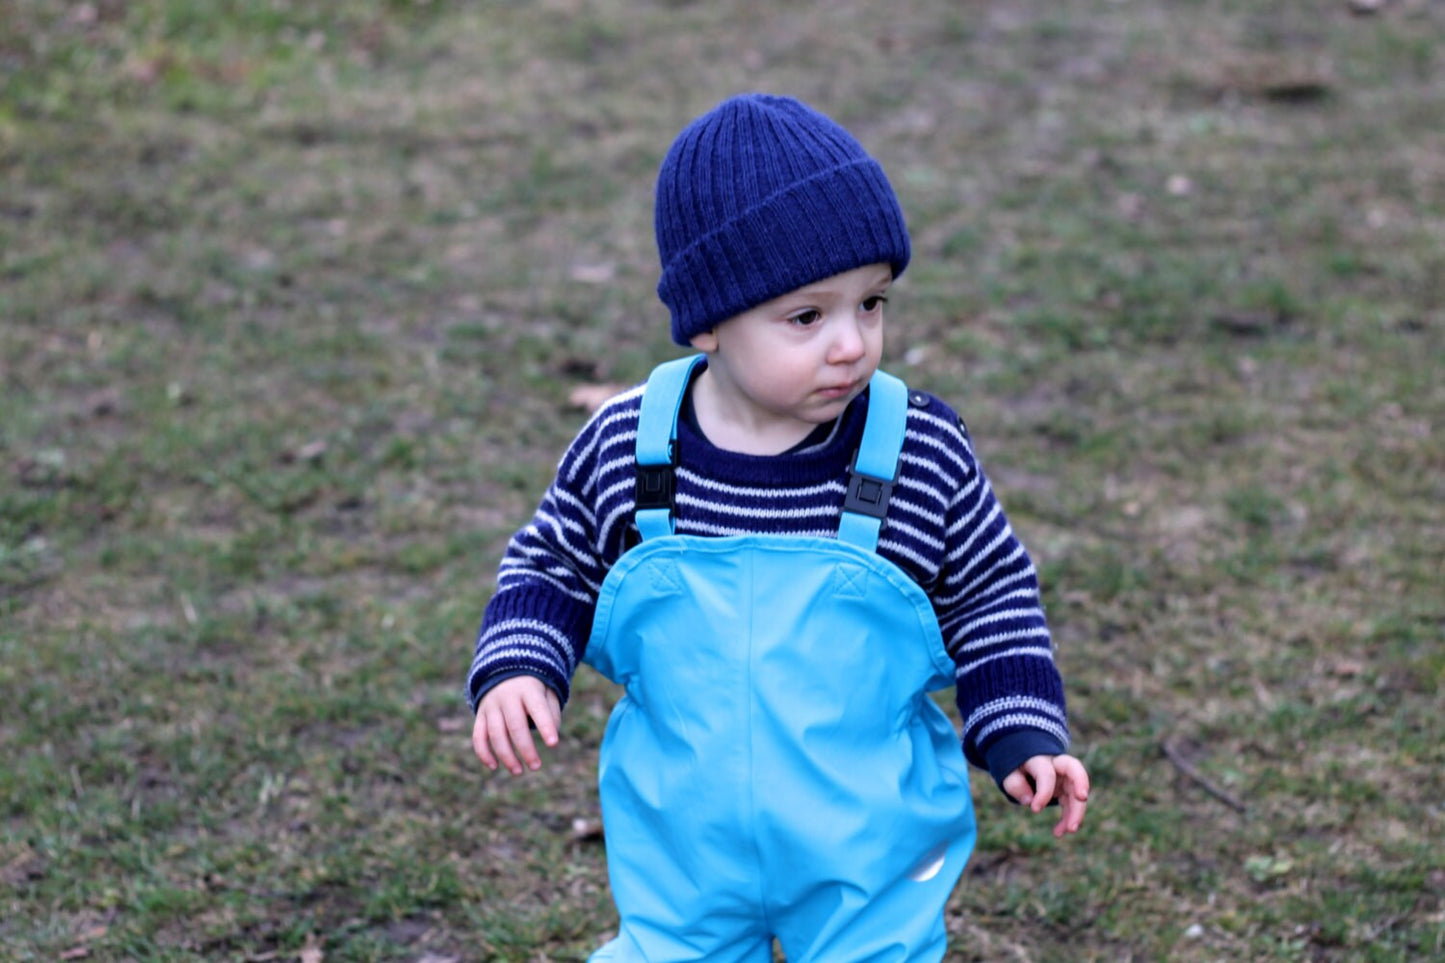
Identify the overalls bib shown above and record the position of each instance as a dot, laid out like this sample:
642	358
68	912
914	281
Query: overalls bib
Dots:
775	767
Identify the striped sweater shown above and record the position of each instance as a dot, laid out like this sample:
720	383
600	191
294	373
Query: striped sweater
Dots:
944	528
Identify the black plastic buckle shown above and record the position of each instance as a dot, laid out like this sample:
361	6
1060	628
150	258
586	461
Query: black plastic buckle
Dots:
656	485
867	494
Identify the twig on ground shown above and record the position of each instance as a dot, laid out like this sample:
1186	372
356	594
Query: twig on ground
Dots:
1171	752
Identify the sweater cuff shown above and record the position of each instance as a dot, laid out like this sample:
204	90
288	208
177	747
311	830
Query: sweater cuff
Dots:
1017	748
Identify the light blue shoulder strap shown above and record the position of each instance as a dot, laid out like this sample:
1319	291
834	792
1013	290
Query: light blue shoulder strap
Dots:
870	485
656	434
875	469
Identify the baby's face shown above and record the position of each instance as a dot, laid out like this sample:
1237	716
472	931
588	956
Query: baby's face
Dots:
804	356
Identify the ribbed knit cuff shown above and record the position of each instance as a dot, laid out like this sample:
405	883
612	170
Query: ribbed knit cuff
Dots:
529	630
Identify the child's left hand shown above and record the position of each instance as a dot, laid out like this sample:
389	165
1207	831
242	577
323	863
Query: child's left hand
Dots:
1042	779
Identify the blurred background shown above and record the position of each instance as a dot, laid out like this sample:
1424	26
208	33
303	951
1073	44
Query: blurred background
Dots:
301	301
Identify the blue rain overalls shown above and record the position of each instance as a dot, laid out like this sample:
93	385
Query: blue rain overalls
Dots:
775	767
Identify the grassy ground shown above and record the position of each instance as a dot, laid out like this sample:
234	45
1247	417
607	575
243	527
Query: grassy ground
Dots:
292	298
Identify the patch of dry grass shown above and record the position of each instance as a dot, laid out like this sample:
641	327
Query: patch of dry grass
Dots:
295	296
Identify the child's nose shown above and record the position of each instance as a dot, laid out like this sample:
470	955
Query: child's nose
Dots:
848	345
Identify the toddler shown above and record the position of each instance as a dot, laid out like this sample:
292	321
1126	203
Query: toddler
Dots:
779	550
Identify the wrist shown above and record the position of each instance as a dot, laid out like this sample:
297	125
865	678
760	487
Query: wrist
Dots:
1010	751
496	680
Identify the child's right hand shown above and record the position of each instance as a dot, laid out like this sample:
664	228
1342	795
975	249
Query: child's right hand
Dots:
502	730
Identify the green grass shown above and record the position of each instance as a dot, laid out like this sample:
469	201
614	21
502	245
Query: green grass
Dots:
292	296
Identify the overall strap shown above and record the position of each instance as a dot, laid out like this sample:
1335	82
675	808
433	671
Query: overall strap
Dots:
875	467
656	448
871	478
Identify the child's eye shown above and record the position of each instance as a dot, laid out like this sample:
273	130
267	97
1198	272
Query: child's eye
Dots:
806	317
872	304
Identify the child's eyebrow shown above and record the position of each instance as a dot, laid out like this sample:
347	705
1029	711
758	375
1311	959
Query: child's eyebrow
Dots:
884	278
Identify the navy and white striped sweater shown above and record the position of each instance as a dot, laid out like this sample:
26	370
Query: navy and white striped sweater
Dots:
944	528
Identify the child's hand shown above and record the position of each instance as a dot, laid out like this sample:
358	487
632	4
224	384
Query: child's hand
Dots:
502	731
1042	779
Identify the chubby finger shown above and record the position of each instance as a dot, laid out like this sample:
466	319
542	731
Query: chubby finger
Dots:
546	714
1073	807
519	728
1044	784
1075	776
1018	787
554	708
501	742
480	744
1073	794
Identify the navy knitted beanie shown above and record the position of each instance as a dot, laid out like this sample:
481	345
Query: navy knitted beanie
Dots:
760	196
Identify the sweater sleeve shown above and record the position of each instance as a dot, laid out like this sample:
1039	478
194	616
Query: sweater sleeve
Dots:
539	620
1009	693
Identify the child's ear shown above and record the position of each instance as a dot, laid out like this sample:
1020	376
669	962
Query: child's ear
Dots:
705	342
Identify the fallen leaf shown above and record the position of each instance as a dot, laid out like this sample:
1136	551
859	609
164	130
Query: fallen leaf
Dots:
311	451
1296	88
591	397
311	952
22	868
586	829
102	403
1274	77
75	953
1249	323
1265	868
1347	668
593	273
